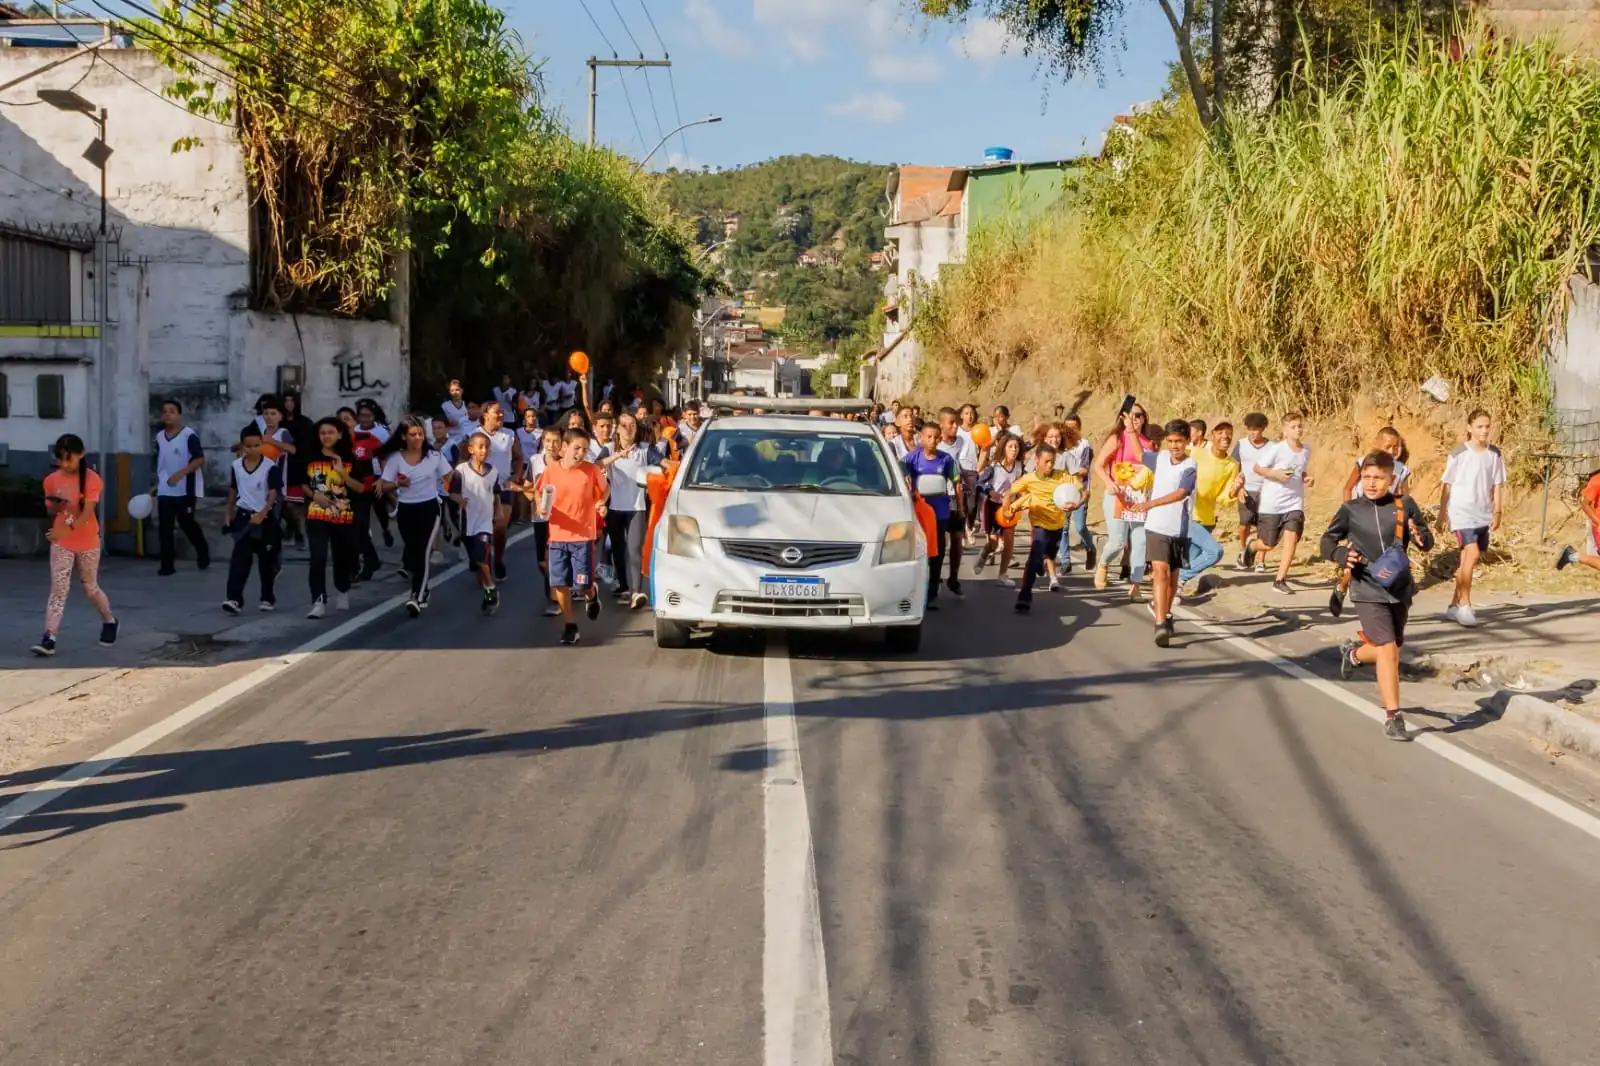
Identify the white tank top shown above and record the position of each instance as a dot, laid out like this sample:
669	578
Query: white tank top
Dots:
500	442
482	492
172	455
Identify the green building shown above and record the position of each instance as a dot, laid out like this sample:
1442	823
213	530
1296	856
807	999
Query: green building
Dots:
1014	191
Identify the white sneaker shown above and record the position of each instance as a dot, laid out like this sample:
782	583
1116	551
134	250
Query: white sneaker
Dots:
1466	617
319	608
436	559
1451	612
1055	584
1007	583
341	601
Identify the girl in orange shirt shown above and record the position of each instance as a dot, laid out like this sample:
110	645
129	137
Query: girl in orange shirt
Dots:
71	495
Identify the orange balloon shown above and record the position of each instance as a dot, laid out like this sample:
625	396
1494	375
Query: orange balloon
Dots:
981	436
1006	518
578	362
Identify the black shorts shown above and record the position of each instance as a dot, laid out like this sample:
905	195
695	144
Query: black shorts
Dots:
1383	623
1249	508
480	549
1478	536
1270	528
955	525
1161	548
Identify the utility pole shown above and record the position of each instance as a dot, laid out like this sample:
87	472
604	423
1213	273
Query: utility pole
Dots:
594	81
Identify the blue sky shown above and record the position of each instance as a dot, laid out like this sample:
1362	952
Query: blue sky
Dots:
856	78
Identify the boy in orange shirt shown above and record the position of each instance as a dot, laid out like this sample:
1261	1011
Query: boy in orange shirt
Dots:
571	494
71	494
1590	502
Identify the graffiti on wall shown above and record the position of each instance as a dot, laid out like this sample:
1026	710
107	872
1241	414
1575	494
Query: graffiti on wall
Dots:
353	380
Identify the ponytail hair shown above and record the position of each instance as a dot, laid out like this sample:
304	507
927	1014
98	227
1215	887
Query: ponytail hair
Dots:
72	444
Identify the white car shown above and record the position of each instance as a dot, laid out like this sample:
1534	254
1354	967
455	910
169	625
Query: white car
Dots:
789	522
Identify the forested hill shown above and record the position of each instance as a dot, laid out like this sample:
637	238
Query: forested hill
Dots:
825	209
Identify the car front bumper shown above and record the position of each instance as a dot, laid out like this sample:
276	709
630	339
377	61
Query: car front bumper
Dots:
718	591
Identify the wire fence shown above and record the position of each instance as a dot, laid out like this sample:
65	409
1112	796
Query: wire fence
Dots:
1574	456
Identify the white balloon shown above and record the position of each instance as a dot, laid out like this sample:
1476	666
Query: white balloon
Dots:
1067	494
140	506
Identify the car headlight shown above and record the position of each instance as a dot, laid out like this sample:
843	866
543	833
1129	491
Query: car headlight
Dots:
899	543
683	537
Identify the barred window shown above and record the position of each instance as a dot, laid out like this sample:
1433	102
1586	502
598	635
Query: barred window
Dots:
35	282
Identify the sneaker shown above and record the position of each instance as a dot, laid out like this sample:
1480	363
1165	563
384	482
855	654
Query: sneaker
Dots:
1282	588
1055	584
954	585
435	558
621	594
1007	583
341	601
639	600
932	605
388	539
1023	607
1395	727
1102	577
1347	658
413	608
1240	562
232	606
1450	613
591	608
268	606
108	633
203	564
1135	594
45	648
1090	558
1177	596
1466	617
166	571
1163	635
569	635
552	610
982	563
499	570
491	600
319	608
1569	555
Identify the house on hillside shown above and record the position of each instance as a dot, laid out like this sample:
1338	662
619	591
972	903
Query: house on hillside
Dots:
928	231
1012	192
731	224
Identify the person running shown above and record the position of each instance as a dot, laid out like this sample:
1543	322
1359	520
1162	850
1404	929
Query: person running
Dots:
254	485
414	473
626	463
506	456
1035	493
1167	522
476	486
505	394
1076	458
1125	447
688	427
1004	468
1002	424
966	422
1376	533
1284	470
455	412
927	461
549	452
1217	481
906	437
1589	501
572	494
1051	433
965	453
179	483
364	445
303	432
329	483
605	430
1388	440
1474	482
72	498
1247	453
530	441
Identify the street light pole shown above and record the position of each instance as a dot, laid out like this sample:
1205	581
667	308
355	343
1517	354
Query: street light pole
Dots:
708	120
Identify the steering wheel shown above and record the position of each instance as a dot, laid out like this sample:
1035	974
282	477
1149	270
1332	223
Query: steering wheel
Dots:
837	479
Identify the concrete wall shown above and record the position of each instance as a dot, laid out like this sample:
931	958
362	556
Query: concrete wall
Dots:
1575	24
1575	356
179	323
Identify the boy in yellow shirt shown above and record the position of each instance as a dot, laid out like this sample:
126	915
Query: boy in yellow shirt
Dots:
1035	493
1219	481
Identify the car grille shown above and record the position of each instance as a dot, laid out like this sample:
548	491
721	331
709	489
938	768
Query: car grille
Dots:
812	553
756	606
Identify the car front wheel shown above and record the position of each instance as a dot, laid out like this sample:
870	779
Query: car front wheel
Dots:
670	634
904	640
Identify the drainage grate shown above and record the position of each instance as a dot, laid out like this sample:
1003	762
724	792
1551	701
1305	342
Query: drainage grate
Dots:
186	647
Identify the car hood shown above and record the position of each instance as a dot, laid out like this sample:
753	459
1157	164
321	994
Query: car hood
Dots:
791	515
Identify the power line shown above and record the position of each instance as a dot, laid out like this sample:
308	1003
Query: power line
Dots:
617	11
597	29
653	29
672	83
661	131
94	57
164	98
48	189
626	95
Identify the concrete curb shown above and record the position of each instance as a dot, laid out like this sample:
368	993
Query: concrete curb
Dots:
1554	723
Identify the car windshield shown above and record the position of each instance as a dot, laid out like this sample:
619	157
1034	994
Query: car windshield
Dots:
763	460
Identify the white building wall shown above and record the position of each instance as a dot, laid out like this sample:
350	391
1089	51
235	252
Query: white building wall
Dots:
1575	354
179	324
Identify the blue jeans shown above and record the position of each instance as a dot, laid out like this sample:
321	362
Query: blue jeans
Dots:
1077	521
1122	536
1204	553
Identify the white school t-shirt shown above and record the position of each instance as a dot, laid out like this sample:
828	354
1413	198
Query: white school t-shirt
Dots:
481	492
250	487
1472	476
455	415
172	455
1278	498
1077	459
1171	519
425	477
1248	456
1397	486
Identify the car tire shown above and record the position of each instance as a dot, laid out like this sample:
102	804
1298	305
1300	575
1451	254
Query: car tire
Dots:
904	640
670	634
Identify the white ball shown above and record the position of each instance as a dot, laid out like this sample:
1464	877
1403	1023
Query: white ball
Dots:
140	506
1067	494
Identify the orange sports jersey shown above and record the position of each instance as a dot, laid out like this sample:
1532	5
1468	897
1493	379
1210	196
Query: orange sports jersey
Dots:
578	490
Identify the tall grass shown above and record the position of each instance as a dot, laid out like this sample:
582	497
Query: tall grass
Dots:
1419	214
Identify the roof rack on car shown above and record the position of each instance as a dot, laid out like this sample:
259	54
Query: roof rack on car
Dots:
722	403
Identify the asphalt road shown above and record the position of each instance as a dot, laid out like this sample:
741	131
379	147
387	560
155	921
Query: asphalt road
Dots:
1042	840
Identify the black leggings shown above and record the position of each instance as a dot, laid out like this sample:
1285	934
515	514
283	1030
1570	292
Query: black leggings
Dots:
626	529
418	523
340	541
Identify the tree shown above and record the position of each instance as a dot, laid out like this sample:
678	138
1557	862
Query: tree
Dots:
1070	36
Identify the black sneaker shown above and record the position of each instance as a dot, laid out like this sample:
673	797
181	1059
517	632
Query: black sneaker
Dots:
499	570
166	571
491	601
388	539
413	608
569	635
45	648
203	563
1569	555
1282	588
1395	728
1245	561
1164	634
552	610
954	585
1023	607
591	608
232	606
1347	663
108	634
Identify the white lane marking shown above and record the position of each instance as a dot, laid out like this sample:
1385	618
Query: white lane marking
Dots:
797	1028
1575	816
45	792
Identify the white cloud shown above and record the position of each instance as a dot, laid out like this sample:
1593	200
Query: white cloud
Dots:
984	41
811	28
716	31
870	107
906	70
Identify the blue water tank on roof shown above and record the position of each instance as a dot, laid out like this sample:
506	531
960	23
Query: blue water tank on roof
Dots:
997	155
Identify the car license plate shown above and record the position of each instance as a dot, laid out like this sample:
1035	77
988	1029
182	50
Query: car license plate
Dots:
793	588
